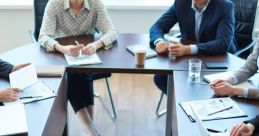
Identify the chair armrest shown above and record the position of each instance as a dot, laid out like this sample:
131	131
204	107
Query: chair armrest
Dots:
249	46
31	34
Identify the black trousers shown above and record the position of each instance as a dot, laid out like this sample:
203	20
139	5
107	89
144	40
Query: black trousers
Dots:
80	89
161	82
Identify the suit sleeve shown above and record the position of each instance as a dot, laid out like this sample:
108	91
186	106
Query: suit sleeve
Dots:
255	122
224	34
163	25
5	69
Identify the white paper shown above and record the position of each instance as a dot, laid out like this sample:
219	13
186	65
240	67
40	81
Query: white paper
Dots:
204	107
83	59
37	89
24	77
225	76
13	120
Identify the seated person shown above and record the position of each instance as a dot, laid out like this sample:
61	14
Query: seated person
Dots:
225	87
64	18
9	94
248	128
207	27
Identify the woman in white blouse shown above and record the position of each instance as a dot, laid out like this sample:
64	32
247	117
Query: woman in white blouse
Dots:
64	18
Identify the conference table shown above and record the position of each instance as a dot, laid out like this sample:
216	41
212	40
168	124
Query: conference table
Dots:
186	90
114	60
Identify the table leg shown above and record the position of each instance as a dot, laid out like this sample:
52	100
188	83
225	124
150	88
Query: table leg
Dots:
171	120
55	125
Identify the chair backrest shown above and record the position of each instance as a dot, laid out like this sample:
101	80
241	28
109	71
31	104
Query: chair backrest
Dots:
39	8
245	12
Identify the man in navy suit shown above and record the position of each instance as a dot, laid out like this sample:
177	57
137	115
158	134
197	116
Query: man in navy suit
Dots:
207	27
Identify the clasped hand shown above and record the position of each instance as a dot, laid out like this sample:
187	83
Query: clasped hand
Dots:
174	49
76	50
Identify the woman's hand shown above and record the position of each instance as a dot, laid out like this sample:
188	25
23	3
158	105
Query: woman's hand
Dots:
89	49
73	50
15	68
242	130
9	94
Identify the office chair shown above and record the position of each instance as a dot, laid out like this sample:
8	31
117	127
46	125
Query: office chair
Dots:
245	14
39	8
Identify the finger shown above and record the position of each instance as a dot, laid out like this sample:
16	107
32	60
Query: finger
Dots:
16	90
235	132
240	130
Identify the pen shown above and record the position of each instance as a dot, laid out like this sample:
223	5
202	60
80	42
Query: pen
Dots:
27	97
77	43
213	130
227	108
201	83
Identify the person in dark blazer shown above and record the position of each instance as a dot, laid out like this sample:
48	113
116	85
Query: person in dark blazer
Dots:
248	128
9	94
206	26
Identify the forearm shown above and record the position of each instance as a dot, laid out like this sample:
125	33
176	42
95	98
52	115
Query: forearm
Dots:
59	48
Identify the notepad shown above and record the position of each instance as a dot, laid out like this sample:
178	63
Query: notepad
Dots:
150	53
26	79
224	76
83	59
204	108
13	120
50	70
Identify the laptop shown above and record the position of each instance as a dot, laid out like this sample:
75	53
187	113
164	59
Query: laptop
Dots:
203	129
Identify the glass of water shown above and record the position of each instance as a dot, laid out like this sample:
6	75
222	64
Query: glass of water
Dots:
195	68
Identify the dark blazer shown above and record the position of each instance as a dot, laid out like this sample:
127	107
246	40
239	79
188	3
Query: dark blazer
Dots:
5	69
255	122
216	29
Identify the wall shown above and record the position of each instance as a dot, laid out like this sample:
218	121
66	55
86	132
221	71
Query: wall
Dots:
15	23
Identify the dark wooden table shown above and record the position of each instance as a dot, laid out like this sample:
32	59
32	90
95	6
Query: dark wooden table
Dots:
187	91
115	60
118	60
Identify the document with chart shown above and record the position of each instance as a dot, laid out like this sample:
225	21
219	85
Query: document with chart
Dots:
83	59
212	109
32	89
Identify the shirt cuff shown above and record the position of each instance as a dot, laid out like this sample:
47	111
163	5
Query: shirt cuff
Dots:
194	49
234	80
246	92
157	40
49	44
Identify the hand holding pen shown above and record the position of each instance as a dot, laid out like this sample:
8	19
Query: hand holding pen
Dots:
222	87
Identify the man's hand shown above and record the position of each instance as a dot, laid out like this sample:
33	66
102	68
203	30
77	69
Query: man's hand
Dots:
179	49
162	46
9	94
242	130
15	68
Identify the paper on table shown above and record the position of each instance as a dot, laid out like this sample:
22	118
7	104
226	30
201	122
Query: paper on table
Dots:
24	77
204	107
13	120
36	90
83	59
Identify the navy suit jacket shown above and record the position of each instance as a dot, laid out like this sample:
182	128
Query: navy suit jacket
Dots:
216	31
5	69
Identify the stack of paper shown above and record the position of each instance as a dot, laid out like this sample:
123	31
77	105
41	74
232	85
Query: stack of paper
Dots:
211	109
13	120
